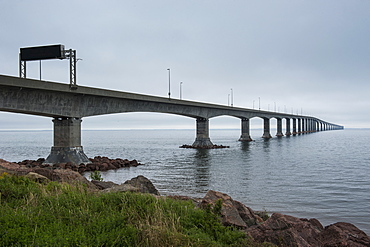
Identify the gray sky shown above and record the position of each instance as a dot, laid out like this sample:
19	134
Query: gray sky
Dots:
310	56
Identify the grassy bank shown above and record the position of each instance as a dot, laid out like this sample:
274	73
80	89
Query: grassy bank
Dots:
57	214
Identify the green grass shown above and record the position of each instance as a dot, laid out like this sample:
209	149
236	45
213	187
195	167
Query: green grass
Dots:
59	214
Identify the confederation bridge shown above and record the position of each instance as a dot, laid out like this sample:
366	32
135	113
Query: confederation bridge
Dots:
68	105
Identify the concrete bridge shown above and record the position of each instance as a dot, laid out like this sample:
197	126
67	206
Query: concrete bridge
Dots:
67	106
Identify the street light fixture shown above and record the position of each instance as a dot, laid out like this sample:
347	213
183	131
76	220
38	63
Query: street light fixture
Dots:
169	83
232	98
259	103
180	90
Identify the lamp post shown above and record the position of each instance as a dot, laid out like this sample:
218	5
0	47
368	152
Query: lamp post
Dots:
228	99
169	83
180	90
232	98
40	70
259	103
253	104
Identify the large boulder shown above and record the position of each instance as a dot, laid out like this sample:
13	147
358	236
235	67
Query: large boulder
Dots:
13	168
285	230
102	185
143	184
138	184
64	175
344	234
233	213
121	188
37	177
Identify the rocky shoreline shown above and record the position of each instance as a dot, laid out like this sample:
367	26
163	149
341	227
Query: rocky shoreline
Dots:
279	229
205	147
98	163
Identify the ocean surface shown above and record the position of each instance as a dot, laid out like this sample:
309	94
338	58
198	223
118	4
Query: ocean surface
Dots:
323	175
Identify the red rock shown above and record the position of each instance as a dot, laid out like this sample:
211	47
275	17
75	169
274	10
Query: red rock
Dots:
233	213
344	234
143	184
134	163
285	230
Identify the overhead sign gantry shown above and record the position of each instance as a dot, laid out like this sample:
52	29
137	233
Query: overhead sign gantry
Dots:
45	53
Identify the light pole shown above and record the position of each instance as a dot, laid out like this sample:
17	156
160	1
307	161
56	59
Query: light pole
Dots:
259	103
169	83
180	90
253	104
228	99
232	98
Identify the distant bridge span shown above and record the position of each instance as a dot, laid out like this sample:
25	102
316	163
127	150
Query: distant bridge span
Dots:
68	106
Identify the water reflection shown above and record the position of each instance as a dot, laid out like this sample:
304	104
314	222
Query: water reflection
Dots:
201	165
245	146
266	145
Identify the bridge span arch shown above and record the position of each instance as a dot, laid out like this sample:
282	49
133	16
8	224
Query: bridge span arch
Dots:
68	106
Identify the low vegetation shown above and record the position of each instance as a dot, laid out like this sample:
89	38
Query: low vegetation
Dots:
59	214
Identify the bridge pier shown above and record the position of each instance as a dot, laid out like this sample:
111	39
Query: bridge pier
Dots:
245	135
266	128
304	126
279	127
67	142
202	140
288	133
294	126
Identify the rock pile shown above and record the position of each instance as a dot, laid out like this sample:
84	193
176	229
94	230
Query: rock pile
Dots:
285	230
207	147
98	163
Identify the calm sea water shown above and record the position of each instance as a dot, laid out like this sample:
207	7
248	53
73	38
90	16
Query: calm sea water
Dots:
324	175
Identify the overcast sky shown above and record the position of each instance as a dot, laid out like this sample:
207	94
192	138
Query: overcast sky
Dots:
298	55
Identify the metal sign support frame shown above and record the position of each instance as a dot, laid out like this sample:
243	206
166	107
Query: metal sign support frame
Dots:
22	67
68	54
71	55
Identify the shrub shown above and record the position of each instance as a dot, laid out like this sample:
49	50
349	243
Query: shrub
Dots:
96	175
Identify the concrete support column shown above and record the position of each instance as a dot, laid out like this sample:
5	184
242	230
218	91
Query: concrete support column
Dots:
266	128
202	140
245	136
287	133
67	142
304	127
294	126
299	126
279	127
